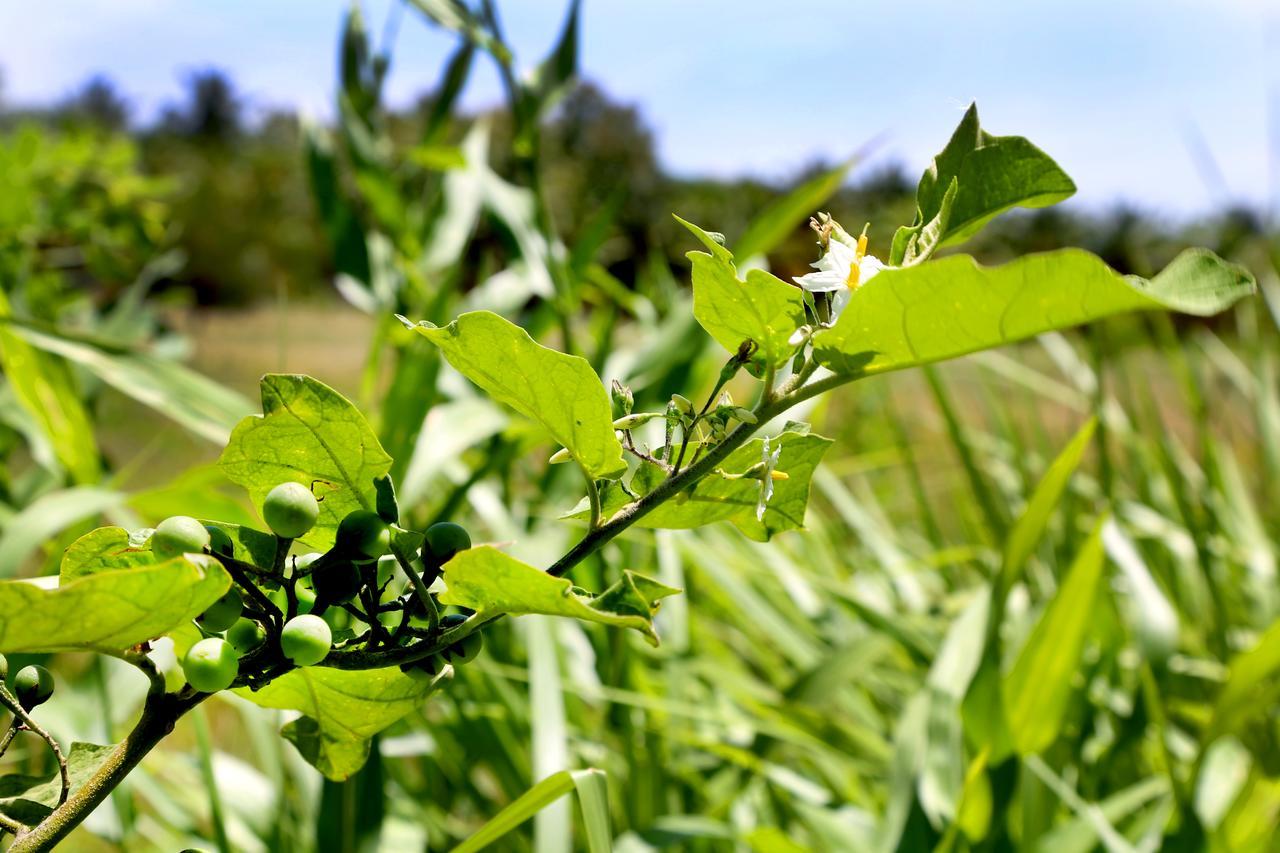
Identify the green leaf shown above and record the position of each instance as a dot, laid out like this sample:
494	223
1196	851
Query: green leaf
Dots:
763	309
917	243
46	390
551	79
1026	534
199	404
1249	677
30	799
777	221
592	795
105	549
108	611
346	708
488	581
310	434
950	307
990	175
1038	688
335	757
717	498
559	391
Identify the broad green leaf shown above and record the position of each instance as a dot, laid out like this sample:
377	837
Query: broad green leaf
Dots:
203	406
108	611
717	498
1030	526
763	309
30	799
105	549
335	757
559	391
990	174
1039	687
778	220
592	796
347	708
488	581
47	391
46	517
950	307
310	434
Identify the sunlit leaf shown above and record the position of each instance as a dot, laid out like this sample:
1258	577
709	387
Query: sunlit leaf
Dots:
488	581
592	795
763	309
105	549
309	434
108	611
30	799
954	306
561	392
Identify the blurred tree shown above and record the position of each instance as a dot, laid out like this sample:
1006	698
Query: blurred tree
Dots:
98	103
213	112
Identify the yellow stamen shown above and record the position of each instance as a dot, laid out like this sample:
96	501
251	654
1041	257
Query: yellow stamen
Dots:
779	475
855	270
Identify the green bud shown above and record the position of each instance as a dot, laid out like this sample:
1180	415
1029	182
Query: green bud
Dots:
560	456
623	399
633	421
682	404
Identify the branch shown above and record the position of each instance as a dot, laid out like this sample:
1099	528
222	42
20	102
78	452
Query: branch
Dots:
20	713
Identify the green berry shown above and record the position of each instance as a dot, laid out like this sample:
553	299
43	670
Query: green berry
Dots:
451	620
363	535
220	541
33	685
4	667
180	534
211	665
290	510
466	649
223	613
306	640
441	541
337	580
245	635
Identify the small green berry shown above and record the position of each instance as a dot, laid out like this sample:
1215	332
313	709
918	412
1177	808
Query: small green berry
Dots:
220	543
245	635
32	686
442	541
363	535
211	665
290	510
179	534
306	640
223	613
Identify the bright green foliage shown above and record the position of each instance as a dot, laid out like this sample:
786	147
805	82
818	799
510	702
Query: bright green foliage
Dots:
975	178
32	686
307	433
179	534
104	549
223	613
1040	684
592	791
306	640
763	309
111	610
211	665
290	510
559	391
348	707
29	799
719	498
489	582
954	306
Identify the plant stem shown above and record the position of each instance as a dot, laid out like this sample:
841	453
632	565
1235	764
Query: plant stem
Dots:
159	715
21	715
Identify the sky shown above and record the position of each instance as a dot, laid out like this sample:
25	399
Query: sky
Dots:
1172	106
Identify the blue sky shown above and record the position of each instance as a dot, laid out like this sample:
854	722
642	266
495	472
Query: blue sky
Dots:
1116	91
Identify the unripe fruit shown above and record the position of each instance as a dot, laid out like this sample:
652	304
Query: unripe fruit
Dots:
220	541
441	541
290	510
4	667
180	534
451	620
245	635
223	613
306	640
466	649
32	686
211	665
336	581
363	535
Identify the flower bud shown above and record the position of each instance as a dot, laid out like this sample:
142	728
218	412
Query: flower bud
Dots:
561	455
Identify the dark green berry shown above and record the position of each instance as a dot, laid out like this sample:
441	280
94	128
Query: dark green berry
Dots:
32	686
223	613
363	536
220	543
442	541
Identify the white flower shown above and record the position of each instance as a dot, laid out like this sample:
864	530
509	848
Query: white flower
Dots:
769	461
840	271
